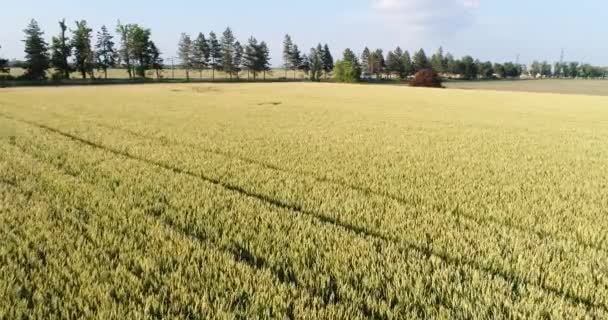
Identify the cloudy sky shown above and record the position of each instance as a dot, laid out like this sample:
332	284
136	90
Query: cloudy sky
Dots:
497	30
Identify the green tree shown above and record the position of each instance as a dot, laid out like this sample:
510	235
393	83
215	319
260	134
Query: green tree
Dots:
83	52
469	68
365	65
349	56
545	69
61	50
486	70
305	65
420	61
408	65
573	67
328	60
227	51
316	63
287	54
106	54
345	71
200	54
499	69
535	69
250	57
238	58
156	61
296	59
438	61
377	63
140	49
125	46
215	52
36	53
184	52
393	64
263	63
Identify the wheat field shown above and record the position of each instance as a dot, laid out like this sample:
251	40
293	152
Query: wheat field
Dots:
302	201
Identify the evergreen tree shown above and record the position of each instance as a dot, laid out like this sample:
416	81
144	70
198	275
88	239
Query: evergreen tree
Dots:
407	65
377	63
250	57
469	68
304	65
316	63
184	52
200	54
215	52
365	65
437	61
420	61
61	50
263	58
328	60
350	57
155	60
238	58
394	64
36	53
288	54
228	52
106	54
296	59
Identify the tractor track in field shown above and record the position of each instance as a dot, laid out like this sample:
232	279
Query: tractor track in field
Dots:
480	220
428	251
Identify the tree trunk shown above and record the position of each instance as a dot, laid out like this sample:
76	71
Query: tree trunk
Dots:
105	72
213	74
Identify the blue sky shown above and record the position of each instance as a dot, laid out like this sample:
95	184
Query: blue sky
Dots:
495	30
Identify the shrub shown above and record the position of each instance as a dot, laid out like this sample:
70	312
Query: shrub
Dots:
426	78
345	71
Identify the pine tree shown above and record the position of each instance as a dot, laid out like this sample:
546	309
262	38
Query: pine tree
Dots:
106	54
316	63
365	63
185	53
328	60
350	57
287	54
200	53
295	59
227	48
250	57
61	50
408	66
263	58
36	53
215	51
155	59
421	61
238	58
437	61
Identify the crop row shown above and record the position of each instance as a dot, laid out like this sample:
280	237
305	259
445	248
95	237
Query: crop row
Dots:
318	255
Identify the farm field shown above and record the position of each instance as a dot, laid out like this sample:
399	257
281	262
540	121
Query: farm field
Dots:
302	200
565	86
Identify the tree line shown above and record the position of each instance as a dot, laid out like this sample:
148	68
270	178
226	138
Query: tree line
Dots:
73	50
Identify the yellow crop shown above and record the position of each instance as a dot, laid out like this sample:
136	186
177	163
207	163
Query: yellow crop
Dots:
302	201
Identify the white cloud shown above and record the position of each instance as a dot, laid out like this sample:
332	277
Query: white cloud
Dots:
437	16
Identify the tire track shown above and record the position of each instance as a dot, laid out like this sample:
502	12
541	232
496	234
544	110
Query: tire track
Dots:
428	250
480	220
